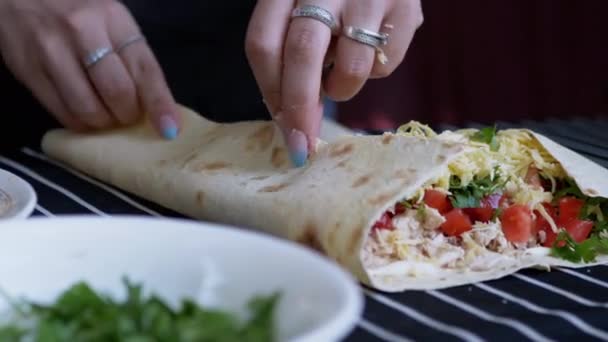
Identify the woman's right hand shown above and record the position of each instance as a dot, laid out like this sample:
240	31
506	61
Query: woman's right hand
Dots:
45	44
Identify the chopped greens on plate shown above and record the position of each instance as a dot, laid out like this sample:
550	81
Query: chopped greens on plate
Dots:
82	314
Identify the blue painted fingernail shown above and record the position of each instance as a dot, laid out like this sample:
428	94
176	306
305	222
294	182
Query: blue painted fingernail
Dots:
168	127
298	147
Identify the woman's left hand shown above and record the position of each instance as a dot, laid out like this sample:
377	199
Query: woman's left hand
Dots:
288	55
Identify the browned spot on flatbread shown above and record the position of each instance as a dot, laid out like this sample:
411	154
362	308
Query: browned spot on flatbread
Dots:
262	138
382	198
361	181
200	198
404	173
340	260
353	241
341	150
258	178
214	166
342	163
592	192
309	238
279	157
212	135
274	188
331	237
162	162
441	159
387	138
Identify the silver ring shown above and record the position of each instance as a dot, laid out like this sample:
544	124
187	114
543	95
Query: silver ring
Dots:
96	56
134	39
317	13
364	36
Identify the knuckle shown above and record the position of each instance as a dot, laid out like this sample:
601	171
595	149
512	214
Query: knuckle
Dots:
419	20
301	47
76	19
47	42
415	9
369	6
146	69
258	48
114	8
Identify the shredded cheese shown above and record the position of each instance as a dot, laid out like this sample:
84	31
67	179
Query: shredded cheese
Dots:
546	216
517	152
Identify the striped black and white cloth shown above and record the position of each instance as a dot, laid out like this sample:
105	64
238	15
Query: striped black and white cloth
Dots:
529	305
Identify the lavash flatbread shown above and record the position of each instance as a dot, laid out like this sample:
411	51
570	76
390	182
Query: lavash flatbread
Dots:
239	174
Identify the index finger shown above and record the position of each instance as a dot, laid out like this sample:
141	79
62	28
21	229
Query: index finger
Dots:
152	89
305	48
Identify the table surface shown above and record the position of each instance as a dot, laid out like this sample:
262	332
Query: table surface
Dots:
529	305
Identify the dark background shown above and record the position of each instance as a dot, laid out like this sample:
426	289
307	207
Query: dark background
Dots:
482	60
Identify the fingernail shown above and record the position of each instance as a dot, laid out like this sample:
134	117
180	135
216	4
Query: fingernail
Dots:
168	127
298	147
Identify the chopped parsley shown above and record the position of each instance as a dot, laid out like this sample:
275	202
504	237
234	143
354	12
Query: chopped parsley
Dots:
81	314
421	211
566	248
487	135
470	195
594	209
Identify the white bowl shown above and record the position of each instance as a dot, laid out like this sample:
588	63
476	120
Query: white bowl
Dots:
17	194
219	266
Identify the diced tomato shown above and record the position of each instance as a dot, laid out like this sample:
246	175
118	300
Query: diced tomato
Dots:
385	222
533	178
438	200
540	223
486	208
568	218
516	223
456	223
579	229
550	237
569	208
483	214
399	209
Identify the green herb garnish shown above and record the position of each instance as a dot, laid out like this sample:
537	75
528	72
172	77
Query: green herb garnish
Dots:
496	214
566	248
81	314
421	211
470	196
406	204
487	135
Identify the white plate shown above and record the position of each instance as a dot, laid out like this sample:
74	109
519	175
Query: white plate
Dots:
220	266
17	197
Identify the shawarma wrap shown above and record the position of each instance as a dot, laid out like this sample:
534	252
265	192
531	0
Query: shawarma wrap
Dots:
406	210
